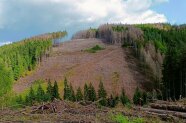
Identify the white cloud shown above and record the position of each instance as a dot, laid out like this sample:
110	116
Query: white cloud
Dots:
51	15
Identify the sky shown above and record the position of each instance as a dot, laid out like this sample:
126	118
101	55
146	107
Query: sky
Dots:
21	19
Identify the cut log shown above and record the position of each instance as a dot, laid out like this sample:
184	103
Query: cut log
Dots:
166	112
179	108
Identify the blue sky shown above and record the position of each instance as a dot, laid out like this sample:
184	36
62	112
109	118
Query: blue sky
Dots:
174	10
24	18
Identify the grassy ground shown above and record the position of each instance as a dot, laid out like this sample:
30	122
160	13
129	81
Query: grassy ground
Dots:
94	49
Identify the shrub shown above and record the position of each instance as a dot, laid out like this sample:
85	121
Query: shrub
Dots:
94	49
111	101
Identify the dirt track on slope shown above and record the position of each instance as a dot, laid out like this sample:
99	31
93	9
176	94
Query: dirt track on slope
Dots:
69	59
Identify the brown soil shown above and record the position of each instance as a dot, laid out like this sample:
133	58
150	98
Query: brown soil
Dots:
112	65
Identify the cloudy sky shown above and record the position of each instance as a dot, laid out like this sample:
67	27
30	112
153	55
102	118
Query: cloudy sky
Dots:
24	18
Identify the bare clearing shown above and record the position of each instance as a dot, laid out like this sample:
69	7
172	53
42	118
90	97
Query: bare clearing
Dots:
111	65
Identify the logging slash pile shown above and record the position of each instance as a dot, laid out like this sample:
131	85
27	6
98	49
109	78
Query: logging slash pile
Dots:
64	111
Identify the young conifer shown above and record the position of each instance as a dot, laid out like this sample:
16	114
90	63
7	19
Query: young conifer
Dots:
56	91
79	95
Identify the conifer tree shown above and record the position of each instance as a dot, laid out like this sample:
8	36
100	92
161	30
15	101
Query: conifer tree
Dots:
137	98
102	94
31	96
91	93
72	94
49	92
40	95
123	98
101	91
144	98
56	91
86	92
79	95
65	89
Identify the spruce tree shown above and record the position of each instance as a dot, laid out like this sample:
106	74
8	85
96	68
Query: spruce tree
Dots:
31	96
86	92
49	92
65	89
137	98
102	94
56	91
101	91
91	93
144	98
72	94
123	98
40	95
79	95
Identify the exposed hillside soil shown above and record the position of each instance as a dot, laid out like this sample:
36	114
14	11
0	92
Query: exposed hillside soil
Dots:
112	65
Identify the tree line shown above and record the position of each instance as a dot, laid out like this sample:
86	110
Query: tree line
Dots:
171	41
161	47
18	58
40	95
88	94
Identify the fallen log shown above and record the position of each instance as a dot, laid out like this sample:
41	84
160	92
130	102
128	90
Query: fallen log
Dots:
179	108
165	112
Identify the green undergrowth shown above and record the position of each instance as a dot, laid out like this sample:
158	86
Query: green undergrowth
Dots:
44	85
9	100
119	118
94	49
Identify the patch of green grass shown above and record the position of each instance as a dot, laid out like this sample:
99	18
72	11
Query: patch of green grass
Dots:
119	118
94	49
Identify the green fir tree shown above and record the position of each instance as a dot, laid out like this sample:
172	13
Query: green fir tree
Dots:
56	91
137	98
40	95
102	94
79	95
86	92
123	98
49	92
91	93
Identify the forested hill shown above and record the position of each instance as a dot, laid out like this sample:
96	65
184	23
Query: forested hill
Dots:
160	47
18	58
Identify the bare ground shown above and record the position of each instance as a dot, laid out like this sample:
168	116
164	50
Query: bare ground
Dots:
113	66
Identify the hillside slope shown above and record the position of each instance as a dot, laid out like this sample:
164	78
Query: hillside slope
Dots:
113	65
